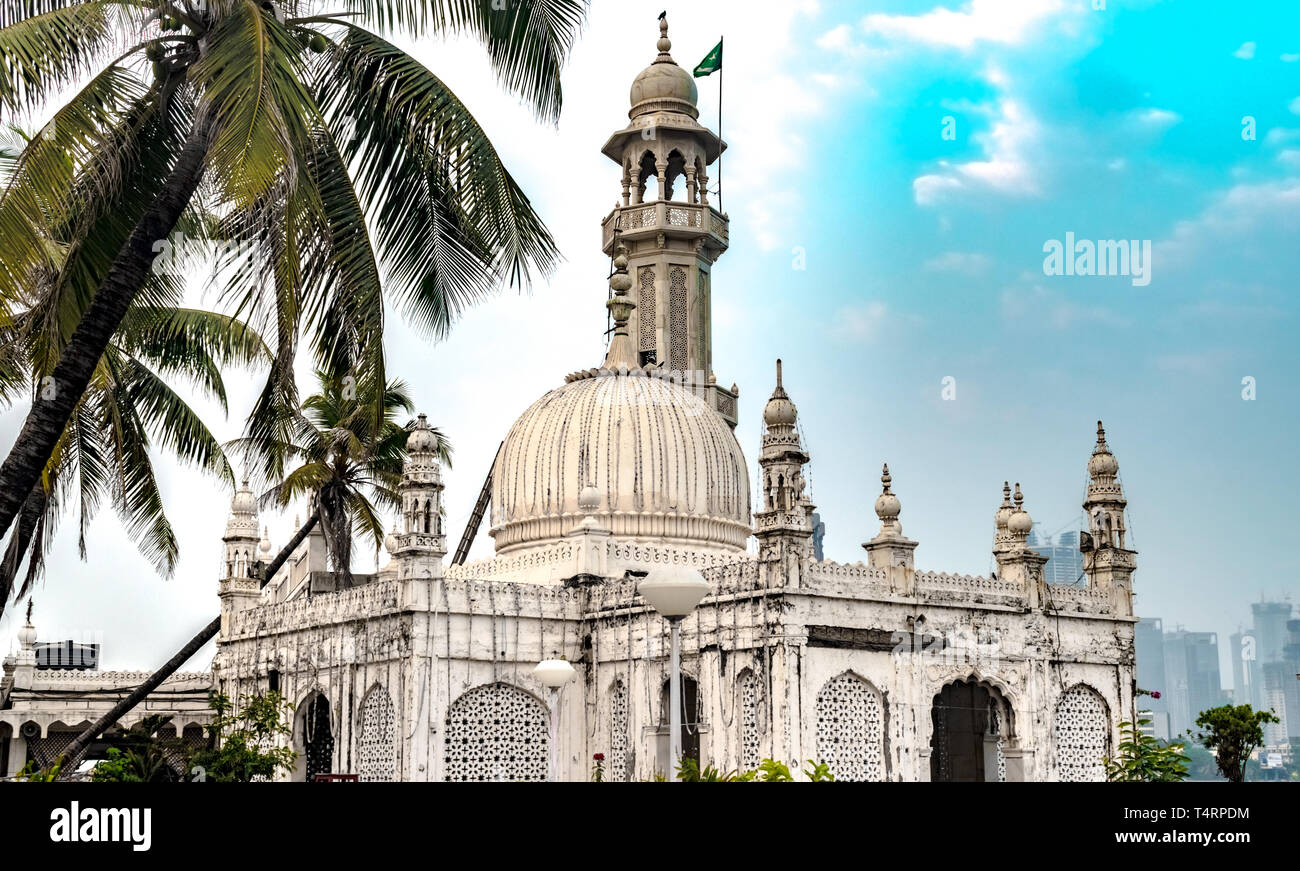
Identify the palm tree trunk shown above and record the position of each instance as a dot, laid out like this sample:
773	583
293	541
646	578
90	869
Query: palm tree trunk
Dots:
29	516
72	755
53	404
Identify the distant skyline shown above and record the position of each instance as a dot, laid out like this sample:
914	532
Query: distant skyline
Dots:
894	174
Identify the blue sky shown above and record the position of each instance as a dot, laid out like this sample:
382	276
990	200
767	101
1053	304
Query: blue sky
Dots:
922	260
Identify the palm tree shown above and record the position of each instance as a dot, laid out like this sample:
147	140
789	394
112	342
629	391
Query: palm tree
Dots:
347	466
323	148
128	407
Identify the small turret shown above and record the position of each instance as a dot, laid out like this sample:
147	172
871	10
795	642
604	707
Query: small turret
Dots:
419	544
785	523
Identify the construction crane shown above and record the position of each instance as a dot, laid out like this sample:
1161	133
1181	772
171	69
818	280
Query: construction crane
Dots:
476	517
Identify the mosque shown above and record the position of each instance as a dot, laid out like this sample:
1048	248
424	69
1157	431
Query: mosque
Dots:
424	671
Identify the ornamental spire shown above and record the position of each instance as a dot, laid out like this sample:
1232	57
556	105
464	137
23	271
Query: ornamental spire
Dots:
621	354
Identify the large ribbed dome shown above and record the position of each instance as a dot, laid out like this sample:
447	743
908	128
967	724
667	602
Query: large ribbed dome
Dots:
666	466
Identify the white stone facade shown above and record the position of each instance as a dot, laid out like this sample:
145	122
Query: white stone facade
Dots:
424	671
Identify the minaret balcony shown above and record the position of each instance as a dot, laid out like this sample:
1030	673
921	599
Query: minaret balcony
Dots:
677	219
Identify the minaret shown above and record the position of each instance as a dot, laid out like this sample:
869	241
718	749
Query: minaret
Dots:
1109	564
672	234
889	549
240	586
420	543
785	523
241	534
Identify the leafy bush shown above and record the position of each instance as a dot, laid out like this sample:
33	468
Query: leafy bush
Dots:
1145	759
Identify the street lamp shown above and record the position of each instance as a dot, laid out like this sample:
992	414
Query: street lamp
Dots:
674	591
553	674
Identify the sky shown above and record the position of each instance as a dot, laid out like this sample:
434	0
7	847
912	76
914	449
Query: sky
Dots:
896	172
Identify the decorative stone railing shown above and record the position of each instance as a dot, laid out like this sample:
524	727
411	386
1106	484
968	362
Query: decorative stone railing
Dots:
371	600
508	567
1082	600
847	578
115	678
663	215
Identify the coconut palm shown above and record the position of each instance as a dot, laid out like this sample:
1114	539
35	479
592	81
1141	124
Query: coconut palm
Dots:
128	409
327	152
346	465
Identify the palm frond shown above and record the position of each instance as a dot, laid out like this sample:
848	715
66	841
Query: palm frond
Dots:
528	41
449	221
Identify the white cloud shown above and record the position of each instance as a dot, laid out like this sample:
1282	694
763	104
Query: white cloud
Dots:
958	261
838	39
1234	214
863	322
1294	106
1282	135
1006	168
929	189
1054	309
1290	58
1158	117
1246	52
987	21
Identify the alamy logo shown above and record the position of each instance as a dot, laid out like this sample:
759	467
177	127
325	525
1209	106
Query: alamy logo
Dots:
1103	257
102	825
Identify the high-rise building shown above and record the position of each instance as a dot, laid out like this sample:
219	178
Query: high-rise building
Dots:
1064	560
1192	673
1280	689
1149	640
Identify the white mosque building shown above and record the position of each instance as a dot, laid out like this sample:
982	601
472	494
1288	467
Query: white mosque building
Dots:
629	470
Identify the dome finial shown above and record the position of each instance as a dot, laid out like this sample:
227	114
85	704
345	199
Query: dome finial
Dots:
665	44
885	477
1101	434
778	373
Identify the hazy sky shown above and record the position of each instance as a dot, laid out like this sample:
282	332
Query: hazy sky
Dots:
922	258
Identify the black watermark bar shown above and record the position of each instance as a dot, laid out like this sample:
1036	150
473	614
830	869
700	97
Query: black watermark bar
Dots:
1092	819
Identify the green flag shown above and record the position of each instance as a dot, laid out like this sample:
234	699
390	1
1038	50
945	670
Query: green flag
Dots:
712	62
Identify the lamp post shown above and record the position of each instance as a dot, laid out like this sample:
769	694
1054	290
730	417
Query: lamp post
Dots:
553	674
674	591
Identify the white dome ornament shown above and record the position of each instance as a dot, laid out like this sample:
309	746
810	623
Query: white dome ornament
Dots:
887	505
1020	523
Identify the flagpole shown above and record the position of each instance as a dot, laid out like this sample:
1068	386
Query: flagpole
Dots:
720	143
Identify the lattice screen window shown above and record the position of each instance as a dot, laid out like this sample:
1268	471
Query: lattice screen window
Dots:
1081	729
496	732
377	745
645	309
677	319
995	728
617	764
702	330
850	729
751	702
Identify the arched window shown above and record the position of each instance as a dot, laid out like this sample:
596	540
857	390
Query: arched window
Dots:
376	744
647	179
751	697
428	516
690	738
1081	731
851	729
496	732
618	764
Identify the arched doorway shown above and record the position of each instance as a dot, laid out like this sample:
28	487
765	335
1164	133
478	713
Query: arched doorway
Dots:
972	723
316	738
690	738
